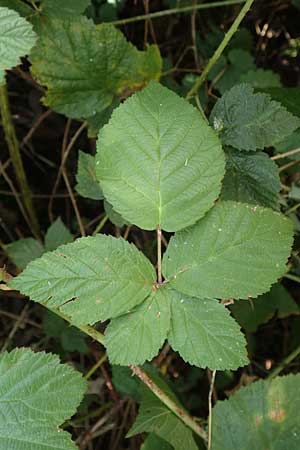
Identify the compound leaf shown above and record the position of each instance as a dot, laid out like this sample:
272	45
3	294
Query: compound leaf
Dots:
249	121
23	251
263	415
251	178
235	251
16	40
99	62
57	234
157	156
138	335
205	335
37	394
91	280
87	184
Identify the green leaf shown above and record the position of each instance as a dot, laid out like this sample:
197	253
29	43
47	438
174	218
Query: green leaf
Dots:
251	178
263	415
205	335
155	417
137	336
157	156
71	339
23	251
16	40
289	97
261	124
37	395
113	216
292	142
99	62
153	442
87	184
236	251
57	234
65	9
260	78
17	5
91	280
260	310
125	383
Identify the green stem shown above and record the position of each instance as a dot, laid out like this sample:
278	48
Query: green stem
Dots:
15	154
169	12
220	49
96	366
100	225
176	409
285	362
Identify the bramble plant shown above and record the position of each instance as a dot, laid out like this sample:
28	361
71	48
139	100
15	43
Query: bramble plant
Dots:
161	166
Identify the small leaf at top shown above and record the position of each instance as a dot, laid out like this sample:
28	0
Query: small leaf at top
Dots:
158	162
235	251
65	9
263	415
137	336
87	184
204	334
251	178
37	395
249	121
16	40
99	62
91	280
57	234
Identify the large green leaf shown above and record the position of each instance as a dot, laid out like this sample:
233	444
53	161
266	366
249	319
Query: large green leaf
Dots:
57	234
251	178
158	161
249	121
100	64
205	335
260	310
87	184
23	251
155	417
16	39
92	279
37	394
236	251
261	416
289	97
138	335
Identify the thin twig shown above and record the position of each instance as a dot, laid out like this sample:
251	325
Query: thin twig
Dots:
220	49
286	154
95	366
210	394
171	11
285	362
15	328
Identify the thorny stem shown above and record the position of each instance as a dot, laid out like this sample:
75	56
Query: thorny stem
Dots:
15	154
171	11
220	49
176	409
159	271
211	390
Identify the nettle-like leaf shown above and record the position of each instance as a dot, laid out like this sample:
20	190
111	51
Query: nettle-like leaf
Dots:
155	417
260	78
57	234
289	97
249	121
37	394
204	334
260	310
23	251
158	162
91	280
235	251
87	184
99	62
251	178
16	40
139	335
263	415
